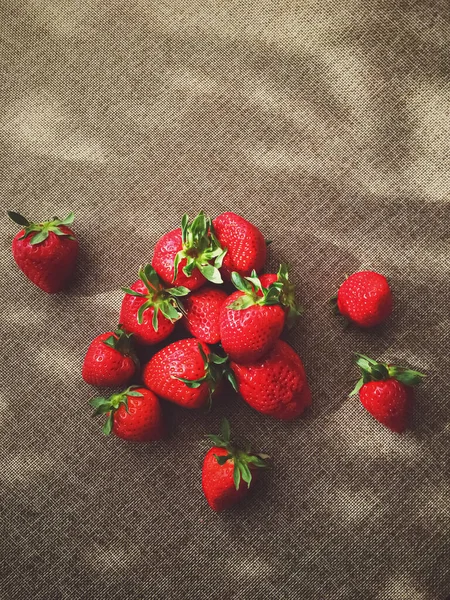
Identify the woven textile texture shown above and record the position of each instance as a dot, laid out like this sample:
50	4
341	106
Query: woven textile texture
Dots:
327	124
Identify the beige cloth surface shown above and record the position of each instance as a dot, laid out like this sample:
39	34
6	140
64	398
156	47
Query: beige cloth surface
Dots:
328	125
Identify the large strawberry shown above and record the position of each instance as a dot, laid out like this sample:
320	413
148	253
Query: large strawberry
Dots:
385	391
251	320
202	313
134	414
276	385
189	255
186	372
365	298
149	310
228	471
245	245
287	292
110	360
45	252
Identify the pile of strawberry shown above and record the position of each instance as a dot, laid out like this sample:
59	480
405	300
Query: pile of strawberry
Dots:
206	275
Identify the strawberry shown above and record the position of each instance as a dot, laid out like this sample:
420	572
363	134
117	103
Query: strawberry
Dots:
149	310
251	320
189	255
45	252
276	385
134	414
227	471
110	360
385	391
186	372
245	245
365	298
287	292
202	312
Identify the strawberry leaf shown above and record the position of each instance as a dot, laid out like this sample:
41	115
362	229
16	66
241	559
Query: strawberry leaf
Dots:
107	427
222	459
193	384
39	237
68	220
216	440
178	291
18	218
225	430
236	475
210	273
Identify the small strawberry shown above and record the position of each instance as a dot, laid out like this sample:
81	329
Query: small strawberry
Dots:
202	312
110	360
134	414
385	391
245	245
287	293
251	320
365	298
45	252
275	385
149	310
227	471
189	256
186	372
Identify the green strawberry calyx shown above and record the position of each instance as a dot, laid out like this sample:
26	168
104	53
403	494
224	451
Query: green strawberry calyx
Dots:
240	459
216	369
254	294
287	295
371	370
39	232
122	341
166	300
102	405
201	249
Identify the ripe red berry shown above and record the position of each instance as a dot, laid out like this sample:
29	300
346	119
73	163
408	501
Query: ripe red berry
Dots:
276	384
245	245
45	252
228	472
202	313
190	255
187	373
251	320
385	391
149	310
134	414
365	298
110	360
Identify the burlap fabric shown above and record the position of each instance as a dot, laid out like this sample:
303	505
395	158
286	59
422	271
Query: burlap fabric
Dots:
326	124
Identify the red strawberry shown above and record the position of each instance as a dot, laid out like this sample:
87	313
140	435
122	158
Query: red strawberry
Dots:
251	320
133	415
365	298
287	292
384	390
202	312
227	471
185	372
276	385
189	256
245	245
149	310
46	252
110	360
